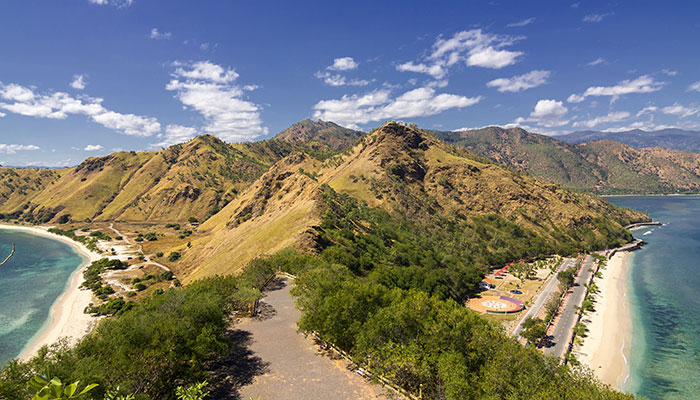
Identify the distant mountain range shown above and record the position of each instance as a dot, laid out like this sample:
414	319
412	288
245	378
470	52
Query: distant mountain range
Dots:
602	166
675	139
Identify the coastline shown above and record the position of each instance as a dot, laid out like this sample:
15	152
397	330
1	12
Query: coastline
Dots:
606	349
66	317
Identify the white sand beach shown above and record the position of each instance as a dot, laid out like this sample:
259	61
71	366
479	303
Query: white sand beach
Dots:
606	348
67	317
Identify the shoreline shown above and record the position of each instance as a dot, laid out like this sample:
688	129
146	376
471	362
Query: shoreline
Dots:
66	316
606	348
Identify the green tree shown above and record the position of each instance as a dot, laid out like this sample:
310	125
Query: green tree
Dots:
534	330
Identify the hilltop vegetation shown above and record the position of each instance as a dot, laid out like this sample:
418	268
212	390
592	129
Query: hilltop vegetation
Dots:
604	167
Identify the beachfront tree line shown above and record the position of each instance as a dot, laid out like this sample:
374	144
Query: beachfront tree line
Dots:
386	290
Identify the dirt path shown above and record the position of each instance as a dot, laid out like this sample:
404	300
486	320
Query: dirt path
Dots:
140	249
295	368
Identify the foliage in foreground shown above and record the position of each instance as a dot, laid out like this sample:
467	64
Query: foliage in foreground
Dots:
149	350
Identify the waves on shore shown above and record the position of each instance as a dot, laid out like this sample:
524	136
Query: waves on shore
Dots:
664	295
30	282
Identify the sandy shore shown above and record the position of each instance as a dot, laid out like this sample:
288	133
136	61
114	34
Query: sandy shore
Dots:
67	318
606	348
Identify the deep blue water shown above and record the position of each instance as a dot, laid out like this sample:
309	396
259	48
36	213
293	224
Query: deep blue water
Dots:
664	294
30	283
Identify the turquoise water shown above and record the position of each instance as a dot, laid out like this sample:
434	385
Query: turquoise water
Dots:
664	294
30	283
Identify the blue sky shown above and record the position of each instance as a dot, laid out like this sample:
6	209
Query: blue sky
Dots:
81	78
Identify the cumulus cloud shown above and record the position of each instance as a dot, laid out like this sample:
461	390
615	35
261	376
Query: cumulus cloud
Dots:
520	82
175	134
78	82
643	84
93	147
694	87
595	62
59	105
474	48
14	148
547	113
611	117
378	105
210	89
596	17
679	110
158	35
335	79
344	64
521	23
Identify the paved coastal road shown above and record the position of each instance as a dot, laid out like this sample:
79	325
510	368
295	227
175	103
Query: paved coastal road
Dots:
295	367
542	299
568	317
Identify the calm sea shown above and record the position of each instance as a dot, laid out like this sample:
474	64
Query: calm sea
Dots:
665	297
30	283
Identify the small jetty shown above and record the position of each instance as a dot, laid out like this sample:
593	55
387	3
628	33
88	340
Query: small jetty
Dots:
10	256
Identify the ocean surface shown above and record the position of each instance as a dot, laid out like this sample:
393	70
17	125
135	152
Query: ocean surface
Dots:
664	293
30	282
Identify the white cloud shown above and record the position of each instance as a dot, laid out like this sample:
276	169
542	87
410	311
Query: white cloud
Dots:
116	3
679	110
595	62
157	35
520	82
331	79
669	72
334	79
547	113
128	124
643	84
378	105
694	87
645	110
14	148
78	82
2	114
59	105
205	71
436	71
175	134
611	117
521	23
93	147
474	48
344	64
210	90
596	17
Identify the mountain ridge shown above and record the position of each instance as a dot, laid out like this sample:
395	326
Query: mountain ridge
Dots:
606	167
670	138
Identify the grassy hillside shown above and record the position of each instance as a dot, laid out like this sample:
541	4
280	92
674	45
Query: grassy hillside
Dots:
604	167
189	180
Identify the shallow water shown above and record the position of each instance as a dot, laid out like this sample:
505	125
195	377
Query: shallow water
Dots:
30	282
664	292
